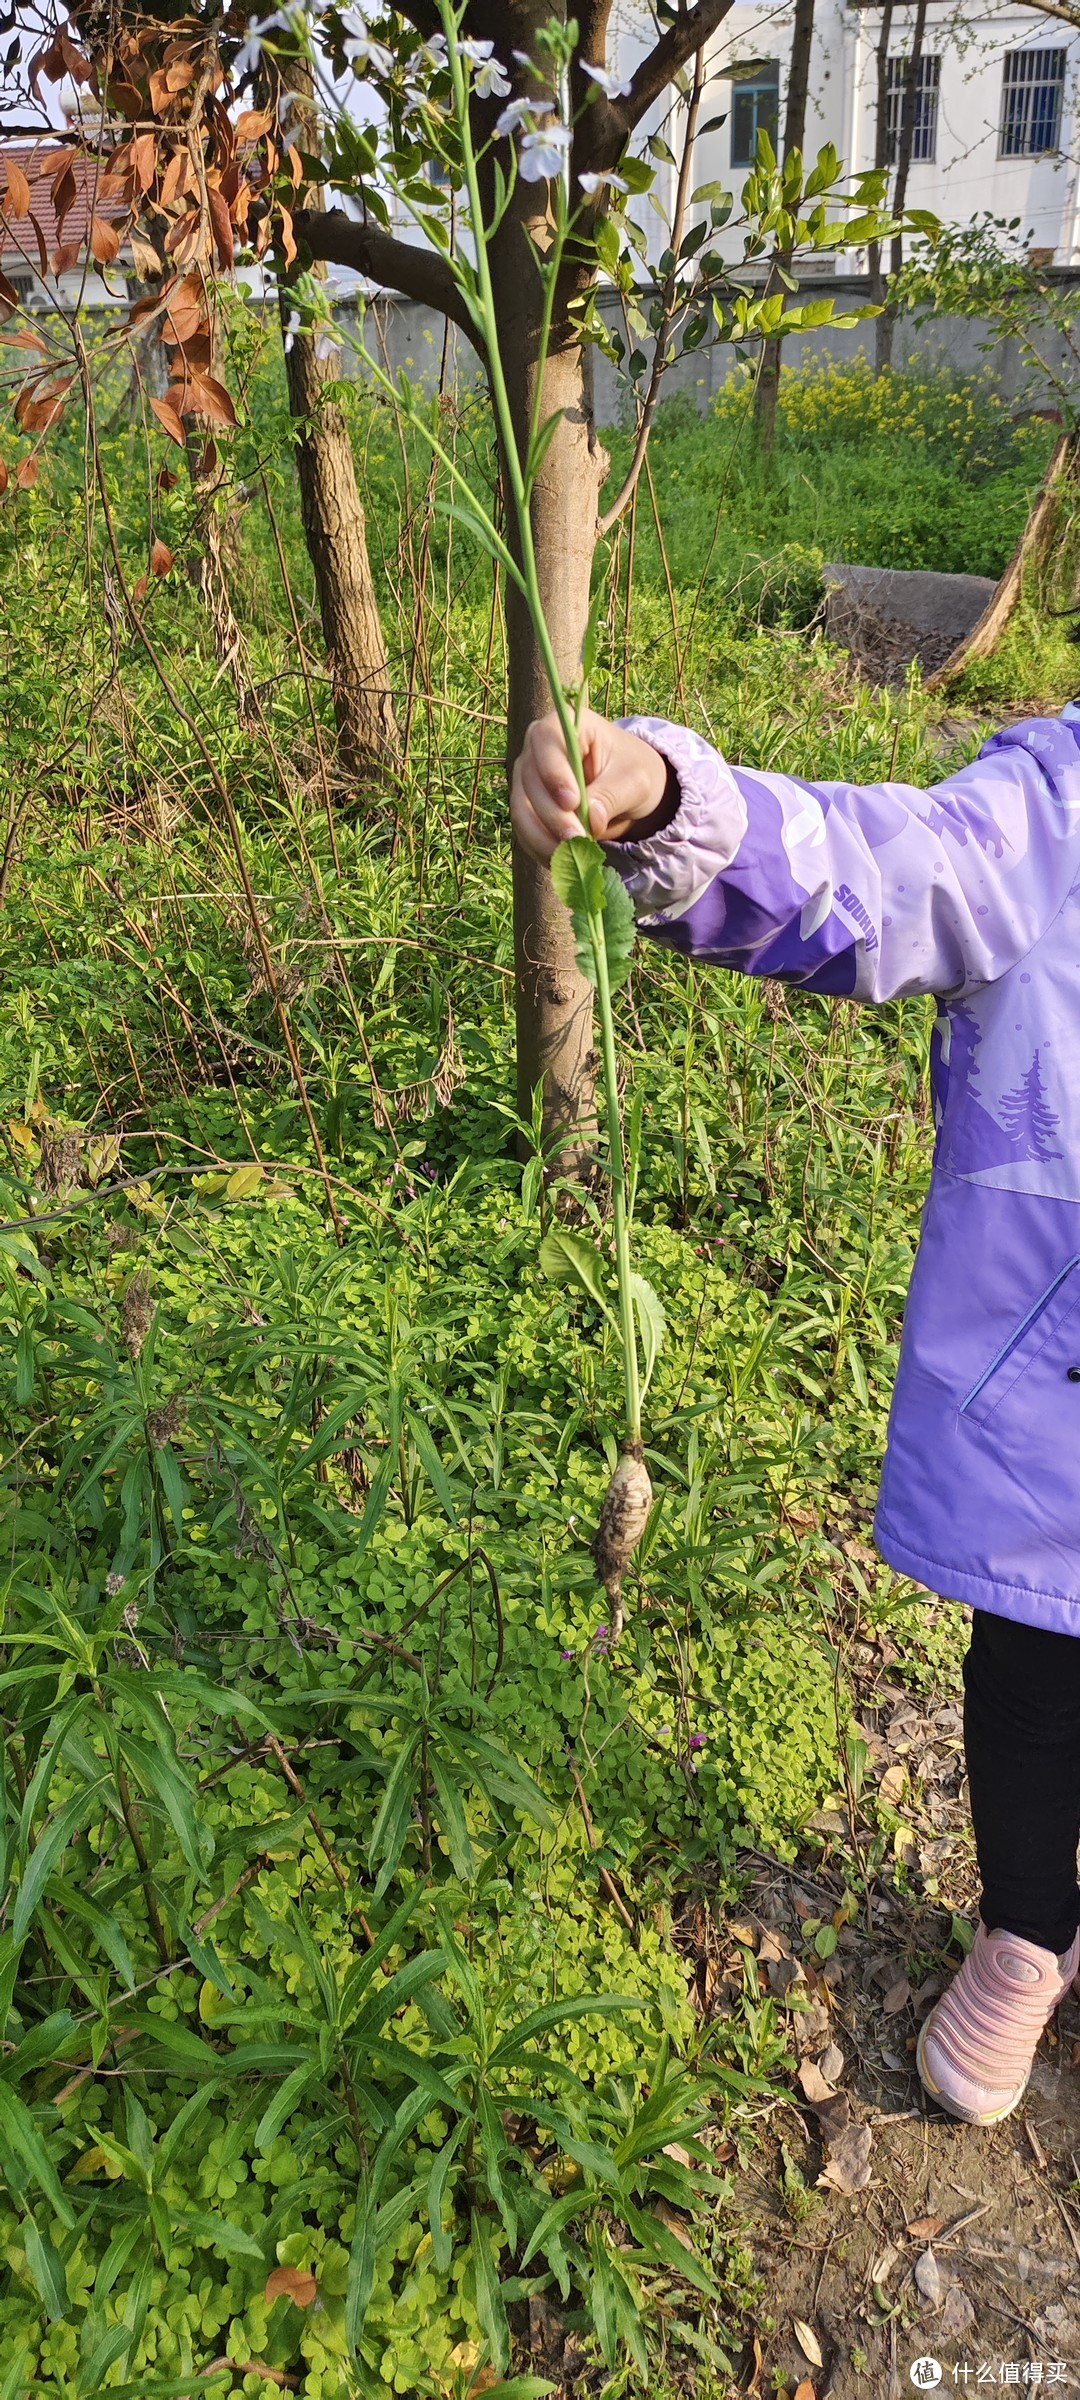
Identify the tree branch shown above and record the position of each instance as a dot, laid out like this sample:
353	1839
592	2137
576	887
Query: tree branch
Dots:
673	299
422	15
399	266
1069	15
593	18
687	34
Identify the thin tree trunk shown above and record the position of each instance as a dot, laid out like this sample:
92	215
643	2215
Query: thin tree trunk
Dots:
335	525
886	324
881	141
554	1000
767	390
1032	550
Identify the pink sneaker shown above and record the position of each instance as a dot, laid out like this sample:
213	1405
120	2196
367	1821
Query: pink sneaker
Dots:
976	2047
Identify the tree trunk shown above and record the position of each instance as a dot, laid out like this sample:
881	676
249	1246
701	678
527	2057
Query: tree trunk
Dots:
881	141
554	1000
886	323
335	530
335	525
767	389
1033	548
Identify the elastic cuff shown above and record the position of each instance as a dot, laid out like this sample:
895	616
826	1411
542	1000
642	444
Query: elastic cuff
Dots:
666	871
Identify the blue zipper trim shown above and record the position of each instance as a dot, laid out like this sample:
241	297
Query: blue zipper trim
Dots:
1018	1335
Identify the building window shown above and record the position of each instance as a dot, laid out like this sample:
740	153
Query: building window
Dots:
1031	98
755	108
927	85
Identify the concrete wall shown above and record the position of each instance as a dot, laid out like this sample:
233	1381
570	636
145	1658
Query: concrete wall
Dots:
401	334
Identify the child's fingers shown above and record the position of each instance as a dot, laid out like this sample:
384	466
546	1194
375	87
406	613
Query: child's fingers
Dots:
539	834
553	804
545	756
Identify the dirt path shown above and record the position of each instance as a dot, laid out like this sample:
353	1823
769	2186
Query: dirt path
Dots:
942	2243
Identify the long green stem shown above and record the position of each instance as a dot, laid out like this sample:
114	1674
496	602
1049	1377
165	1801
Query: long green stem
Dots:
520	489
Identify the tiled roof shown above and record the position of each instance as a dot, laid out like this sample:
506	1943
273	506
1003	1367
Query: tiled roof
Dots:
41	163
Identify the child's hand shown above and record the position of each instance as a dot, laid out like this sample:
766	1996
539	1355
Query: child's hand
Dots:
626	780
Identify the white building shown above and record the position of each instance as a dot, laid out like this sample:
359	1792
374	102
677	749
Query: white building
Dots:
996	122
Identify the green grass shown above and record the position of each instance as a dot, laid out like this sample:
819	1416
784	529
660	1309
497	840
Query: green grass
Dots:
301	1625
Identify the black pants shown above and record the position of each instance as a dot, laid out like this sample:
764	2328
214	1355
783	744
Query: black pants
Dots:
1022	1735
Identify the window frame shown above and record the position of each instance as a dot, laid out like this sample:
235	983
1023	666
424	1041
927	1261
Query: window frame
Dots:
764	77
927	97
1020	88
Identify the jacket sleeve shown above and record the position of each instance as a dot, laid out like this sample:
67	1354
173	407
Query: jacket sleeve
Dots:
873	890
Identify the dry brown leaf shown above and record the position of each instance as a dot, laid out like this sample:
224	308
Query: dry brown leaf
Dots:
18	190
759	2361
891	1787
144	257
847	2164
297	2283
161	558
3	478
883	2266
805	2390
26	473
743	1933
831	2063
675	2150
674	2223
924	2229
815	2084
807	2341
144	160
897	1996
958	2315
174	182
140	590
252	123
223	229
104	241
167	415
212	400
928	2278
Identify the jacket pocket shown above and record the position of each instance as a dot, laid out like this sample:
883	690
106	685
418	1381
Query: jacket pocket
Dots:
1032	1387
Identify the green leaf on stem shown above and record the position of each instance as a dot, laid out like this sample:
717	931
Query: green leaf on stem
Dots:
591	890
651	1325
566	1257
539	447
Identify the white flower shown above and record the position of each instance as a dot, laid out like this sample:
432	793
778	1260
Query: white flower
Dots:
476	52
328	344
292	329
608	79
544	154
250	52
361	51
519	113
596	183
491	81
431	57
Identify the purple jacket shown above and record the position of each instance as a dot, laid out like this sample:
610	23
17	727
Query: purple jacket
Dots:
972	891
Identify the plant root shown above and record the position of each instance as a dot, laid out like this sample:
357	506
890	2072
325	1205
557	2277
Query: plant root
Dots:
623	1519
